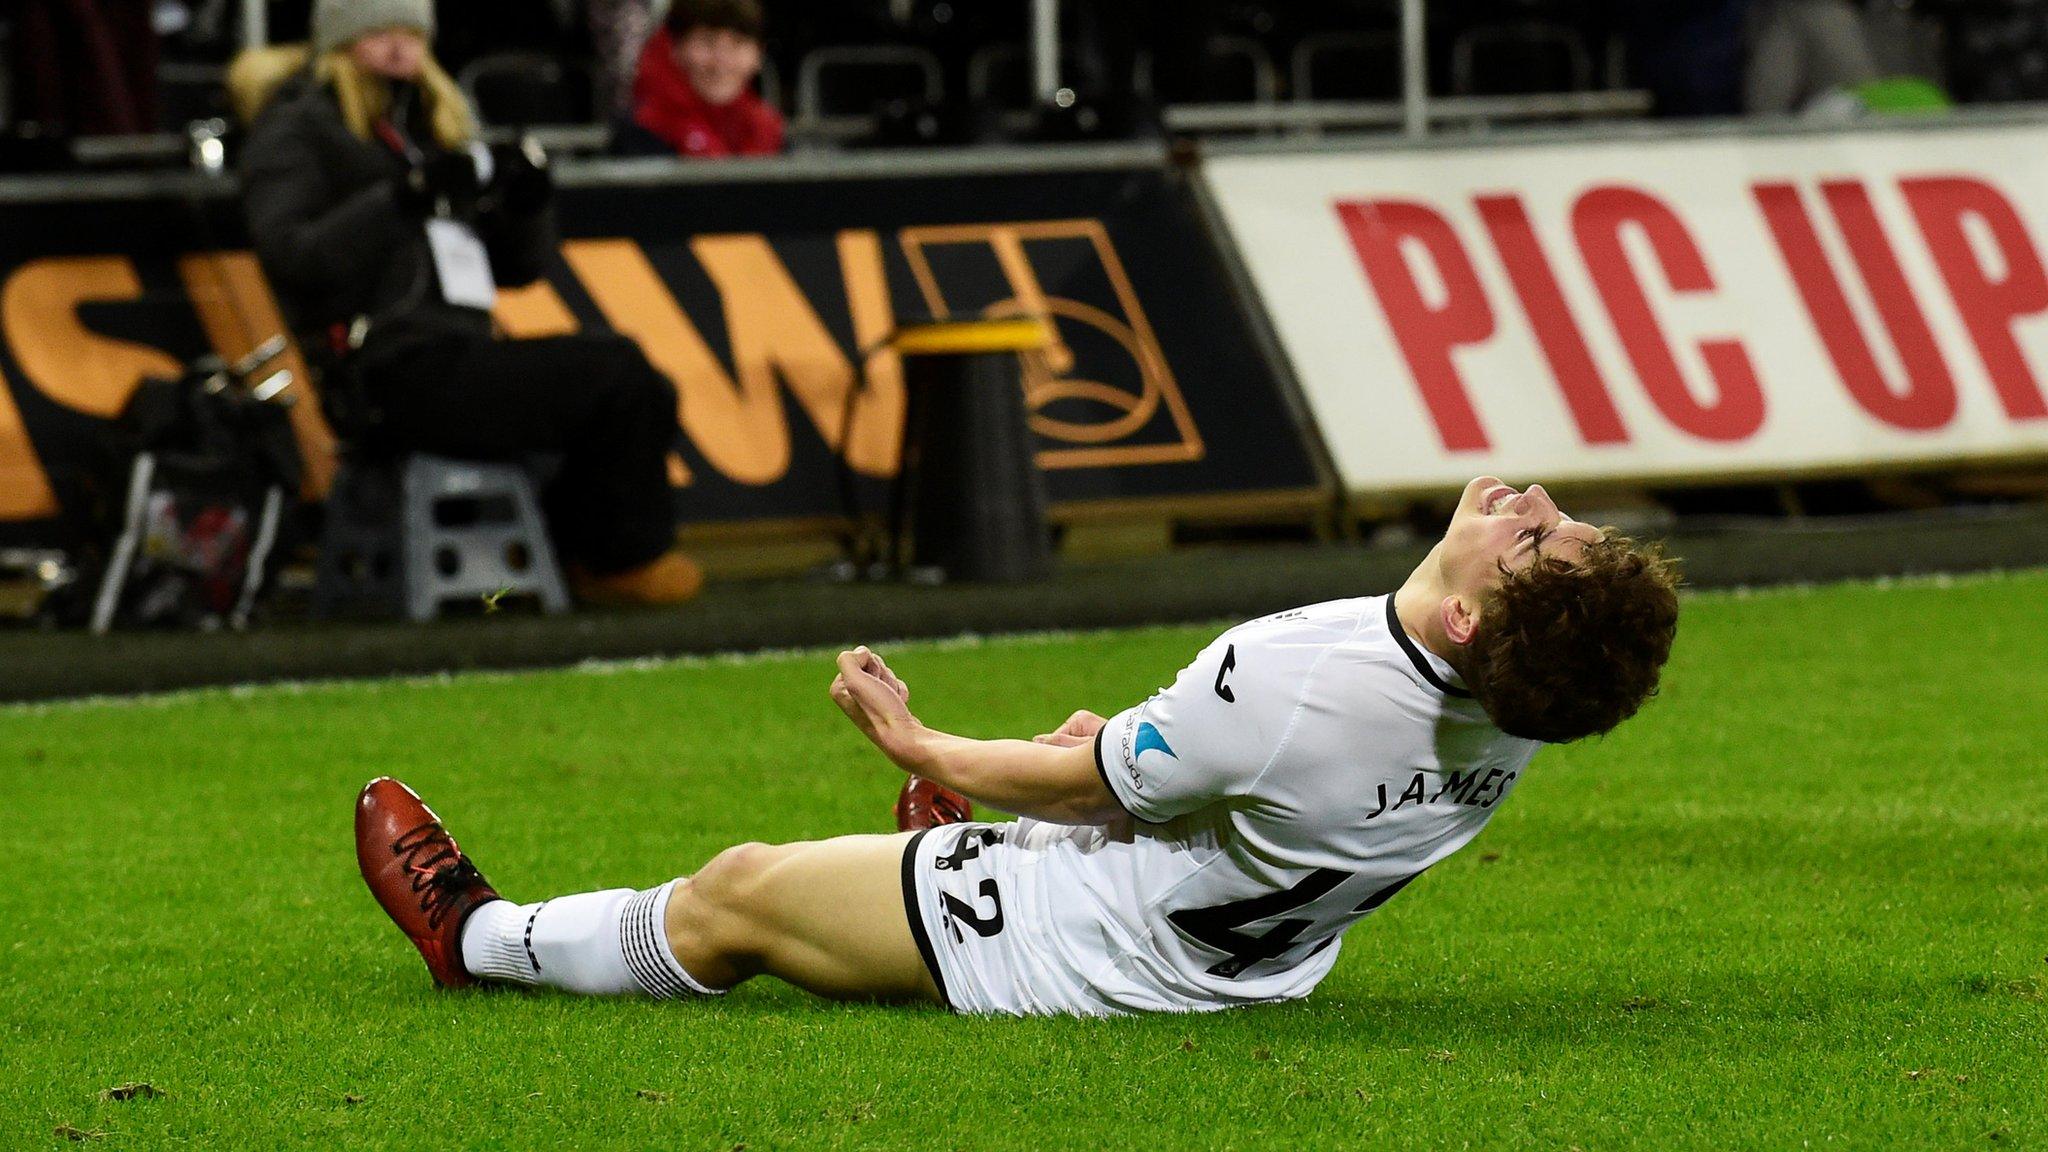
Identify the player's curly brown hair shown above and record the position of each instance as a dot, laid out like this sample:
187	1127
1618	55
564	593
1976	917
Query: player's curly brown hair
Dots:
742	16
1569	649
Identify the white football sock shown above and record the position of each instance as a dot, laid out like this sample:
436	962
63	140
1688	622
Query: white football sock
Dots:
610	943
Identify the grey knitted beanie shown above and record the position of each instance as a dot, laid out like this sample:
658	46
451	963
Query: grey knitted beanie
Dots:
339	23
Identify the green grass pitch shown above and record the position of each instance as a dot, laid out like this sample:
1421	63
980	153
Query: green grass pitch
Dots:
1797	903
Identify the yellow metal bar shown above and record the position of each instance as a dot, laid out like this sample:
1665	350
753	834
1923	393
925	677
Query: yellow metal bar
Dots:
954	337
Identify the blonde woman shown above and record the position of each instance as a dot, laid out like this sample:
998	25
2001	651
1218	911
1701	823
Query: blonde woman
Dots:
386	230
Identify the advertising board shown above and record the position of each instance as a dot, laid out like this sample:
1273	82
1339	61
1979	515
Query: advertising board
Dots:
1641	309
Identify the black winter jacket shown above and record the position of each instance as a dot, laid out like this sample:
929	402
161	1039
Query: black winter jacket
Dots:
336	246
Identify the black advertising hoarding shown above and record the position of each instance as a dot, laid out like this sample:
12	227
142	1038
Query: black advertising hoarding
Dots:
763	292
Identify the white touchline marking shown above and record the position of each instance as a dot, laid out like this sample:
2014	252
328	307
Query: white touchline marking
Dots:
966	641
593	667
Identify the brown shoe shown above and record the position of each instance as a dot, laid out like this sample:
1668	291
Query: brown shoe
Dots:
671	578
416	871
923	804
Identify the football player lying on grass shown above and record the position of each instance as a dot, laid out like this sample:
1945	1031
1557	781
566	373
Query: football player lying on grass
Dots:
1204	849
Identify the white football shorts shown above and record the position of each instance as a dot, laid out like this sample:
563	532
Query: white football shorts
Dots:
1010	920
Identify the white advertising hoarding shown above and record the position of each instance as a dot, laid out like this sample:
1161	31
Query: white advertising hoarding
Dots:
1671	309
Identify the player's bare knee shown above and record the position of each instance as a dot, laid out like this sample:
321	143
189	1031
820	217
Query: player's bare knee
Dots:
711	908
734	873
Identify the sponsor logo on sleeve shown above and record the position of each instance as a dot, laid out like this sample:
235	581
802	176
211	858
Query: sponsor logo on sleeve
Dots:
1136	739
1149	740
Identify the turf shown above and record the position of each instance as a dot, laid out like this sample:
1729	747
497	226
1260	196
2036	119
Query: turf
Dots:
1797	903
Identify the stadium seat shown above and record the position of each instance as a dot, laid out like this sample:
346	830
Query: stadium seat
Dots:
1614	62
518	89
852	80
1520	58
1241	71
190	91
1474	13
1246	73
769	84
1347	66
999	76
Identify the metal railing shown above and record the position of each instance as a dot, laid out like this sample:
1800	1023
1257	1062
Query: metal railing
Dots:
1465	111
598	170
814	122
161	149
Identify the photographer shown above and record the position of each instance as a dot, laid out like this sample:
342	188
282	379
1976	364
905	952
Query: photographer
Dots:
386	229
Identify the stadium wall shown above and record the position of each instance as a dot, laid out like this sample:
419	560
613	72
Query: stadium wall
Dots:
764	290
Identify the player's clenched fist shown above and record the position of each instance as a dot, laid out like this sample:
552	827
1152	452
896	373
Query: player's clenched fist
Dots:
877	701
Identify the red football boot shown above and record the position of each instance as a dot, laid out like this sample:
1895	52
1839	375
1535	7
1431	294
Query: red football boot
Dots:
923	804
416	871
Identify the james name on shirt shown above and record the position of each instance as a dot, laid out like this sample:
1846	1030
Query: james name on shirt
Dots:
1467	788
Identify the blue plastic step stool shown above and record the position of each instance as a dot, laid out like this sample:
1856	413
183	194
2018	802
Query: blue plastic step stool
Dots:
408	535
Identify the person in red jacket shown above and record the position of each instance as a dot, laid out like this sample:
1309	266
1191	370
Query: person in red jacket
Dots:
694	94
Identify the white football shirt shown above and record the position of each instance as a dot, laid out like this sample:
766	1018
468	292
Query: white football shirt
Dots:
1300	772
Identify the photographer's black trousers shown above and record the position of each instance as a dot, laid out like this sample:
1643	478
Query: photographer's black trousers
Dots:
594	401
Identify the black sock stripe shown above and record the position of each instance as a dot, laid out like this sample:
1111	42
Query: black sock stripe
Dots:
657	974
638	956
629	943
645	968
641	943
530	957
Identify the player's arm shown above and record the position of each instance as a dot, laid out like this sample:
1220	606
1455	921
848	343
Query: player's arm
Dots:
1047	779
